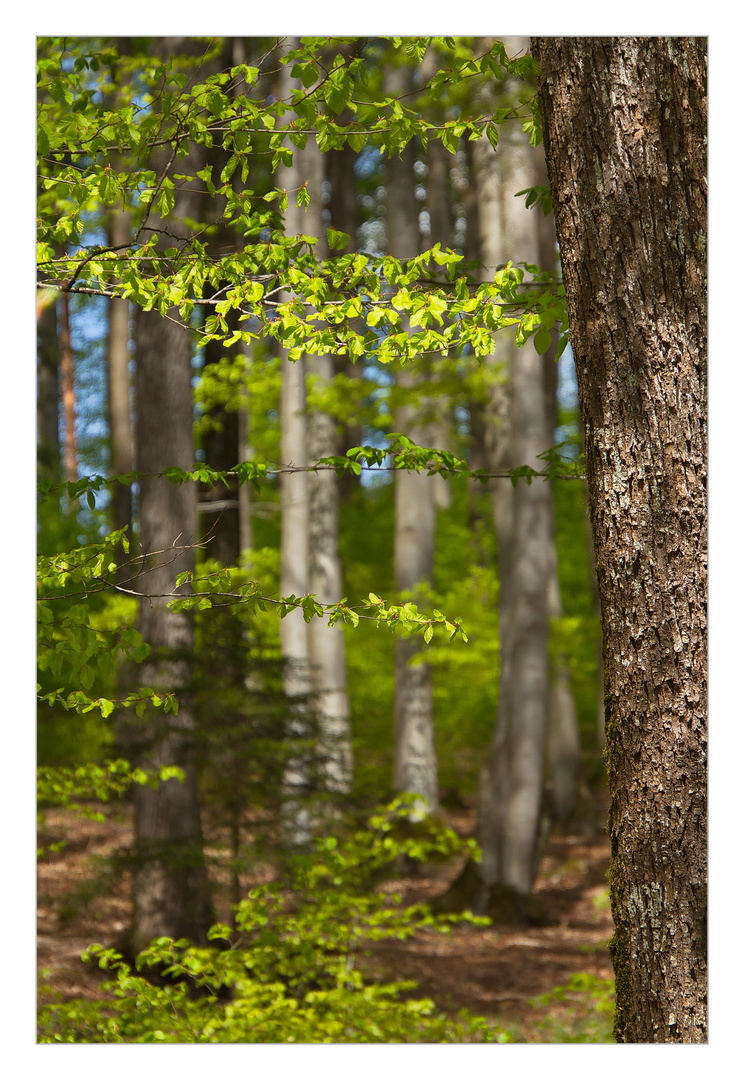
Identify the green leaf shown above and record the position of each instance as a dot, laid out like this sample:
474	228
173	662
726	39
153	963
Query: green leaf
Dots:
336	239
543	339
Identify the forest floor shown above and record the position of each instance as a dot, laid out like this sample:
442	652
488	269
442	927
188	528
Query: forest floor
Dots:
494	971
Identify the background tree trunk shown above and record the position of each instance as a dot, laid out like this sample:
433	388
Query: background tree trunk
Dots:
119	387
625	136
510	794
327	649
171	888
415	761
47	395
310	559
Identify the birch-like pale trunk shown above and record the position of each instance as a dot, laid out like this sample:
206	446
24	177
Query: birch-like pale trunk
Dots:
314	652
511	783
415	761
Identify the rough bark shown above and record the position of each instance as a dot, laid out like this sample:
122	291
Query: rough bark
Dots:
625	136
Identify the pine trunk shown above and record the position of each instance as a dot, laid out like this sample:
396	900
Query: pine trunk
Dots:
625	135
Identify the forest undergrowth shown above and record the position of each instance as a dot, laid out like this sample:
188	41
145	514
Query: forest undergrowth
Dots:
544	983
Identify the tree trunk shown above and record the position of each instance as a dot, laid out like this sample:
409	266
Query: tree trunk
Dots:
344	216
311	652
327	649
563	747
512	781
510	795
415	761
171	888
625	136
67	388
47	396
326	643
294	581
120	418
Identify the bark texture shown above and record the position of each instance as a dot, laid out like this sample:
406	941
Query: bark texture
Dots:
625	136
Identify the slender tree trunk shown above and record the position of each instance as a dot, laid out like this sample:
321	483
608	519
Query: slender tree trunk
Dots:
310	560
510	797
67	385
47	398
344	215
415	762
563	746
170	884
512	782
171	894
120	418
439	203
327	650
294	581
625	136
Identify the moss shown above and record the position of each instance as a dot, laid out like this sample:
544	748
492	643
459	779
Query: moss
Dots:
619	953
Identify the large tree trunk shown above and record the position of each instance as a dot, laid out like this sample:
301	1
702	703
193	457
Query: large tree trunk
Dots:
171	889
625	136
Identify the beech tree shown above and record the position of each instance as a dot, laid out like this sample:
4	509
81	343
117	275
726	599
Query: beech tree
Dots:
625	138
170	887
415	761
625	126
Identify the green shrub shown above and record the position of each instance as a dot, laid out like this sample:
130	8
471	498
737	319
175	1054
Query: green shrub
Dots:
290	971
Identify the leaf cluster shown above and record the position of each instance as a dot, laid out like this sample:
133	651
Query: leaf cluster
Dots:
94	157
